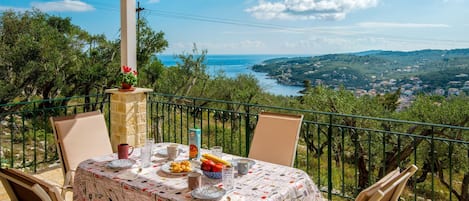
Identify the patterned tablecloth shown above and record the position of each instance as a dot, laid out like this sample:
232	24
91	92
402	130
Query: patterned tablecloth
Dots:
265	181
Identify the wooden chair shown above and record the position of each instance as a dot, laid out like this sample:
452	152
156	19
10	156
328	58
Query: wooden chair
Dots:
21	186
276	138
389	188
79	137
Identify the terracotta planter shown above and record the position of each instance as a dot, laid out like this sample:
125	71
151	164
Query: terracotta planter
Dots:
126	86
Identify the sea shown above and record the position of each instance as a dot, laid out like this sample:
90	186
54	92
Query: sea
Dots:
234	65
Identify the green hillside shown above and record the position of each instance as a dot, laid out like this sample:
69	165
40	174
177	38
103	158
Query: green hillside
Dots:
360	69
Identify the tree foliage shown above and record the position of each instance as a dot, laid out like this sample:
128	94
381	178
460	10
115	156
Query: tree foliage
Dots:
44	56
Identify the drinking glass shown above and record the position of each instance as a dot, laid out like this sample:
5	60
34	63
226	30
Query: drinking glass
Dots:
145	154
228	177
217	151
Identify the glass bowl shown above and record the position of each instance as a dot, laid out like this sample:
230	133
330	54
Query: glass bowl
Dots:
212	175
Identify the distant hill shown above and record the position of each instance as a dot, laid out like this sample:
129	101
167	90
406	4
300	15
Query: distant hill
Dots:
369	52
362	69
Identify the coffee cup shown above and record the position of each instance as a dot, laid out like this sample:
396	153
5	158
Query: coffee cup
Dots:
173	151
123	151
242	167
194	180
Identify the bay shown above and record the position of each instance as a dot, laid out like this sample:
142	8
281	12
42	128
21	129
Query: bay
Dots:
233	65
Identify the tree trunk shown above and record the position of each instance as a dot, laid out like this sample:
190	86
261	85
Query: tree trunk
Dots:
392	160
362	171
465	187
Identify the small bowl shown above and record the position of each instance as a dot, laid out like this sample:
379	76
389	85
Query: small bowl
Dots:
212	175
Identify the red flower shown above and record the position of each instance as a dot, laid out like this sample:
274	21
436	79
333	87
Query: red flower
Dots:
128	76
127	69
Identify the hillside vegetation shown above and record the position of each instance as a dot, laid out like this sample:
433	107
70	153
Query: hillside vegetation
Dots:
361	70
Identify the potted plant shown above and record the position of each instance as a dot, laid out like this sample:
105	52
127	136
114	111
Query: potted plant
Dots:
127	78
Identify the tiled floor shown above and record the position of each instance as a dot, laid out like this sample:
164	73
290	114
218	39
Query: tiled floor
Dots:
53	175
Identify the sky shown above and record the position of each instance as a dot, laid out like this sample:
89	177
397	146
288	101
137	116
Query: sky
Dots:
286	27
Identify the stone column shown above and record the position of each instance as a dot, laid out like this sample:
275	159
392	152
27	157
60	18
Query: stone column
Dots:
128	117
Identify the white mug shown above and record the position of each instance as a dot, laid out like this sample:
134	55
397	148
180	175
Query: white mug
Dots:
172	150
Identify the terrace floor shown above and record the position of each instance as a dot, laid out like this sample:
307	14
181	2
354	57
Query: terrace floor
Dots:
53	175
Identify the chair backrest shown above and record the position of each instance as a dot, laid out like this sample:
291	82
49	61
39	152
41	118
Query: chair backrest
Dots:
21	186
394	189
80	137
372	190
389	188
275	138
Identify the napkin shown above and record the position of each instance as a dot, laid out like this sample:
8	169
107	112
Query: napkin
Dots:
131	174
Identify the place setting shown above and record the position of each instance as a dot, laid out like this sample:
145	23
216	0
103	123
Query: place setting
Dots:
164	152
123	161
174	167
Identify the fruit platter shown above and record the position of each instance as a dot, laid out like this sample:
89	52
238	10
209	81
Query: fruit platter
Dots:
212	166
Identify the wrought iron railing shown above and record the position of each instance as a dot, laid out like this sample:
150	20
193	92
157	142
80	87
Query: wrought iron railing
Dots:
26	139
342	153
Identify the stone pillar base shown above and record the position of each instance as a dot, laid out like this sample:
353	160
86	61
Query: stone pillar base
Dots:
128	117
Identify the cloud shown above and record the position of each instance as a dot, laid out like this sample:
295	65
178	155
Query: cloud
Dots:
153	1
400	25
308	9
63	6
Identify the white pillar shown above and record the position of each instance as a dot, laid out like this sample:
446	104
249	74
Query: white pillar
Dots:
128	34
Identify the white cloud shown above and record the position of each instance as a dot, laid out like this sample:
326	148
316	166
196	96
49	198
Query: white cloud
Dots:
62	6
400	25
308	9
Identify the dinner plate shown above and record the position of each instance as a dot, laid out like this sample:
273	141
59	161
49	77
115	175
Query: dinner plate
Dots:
164	152
234	162
208	193
166	168
120	164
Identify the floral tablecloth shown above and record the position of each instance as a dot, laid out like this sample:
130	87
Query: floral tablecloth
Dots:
265	181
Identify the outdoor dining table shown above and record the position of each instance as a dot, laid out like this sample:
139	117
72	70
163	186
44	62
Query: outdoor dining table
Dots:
94	180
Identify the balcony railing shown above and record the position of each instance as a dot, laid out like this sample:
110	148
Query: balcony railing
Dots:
342	153
26	138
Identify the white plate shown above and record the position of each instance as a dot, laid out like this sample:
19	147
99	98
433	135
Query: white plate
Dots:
208	193
120	164
234	162
164	152
166	168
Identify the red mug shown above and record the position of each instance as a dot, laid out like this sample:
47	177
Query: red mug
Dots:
123	151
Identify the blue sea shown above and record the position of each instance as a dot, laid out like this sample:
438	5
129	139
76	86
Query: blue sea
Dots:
233	65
